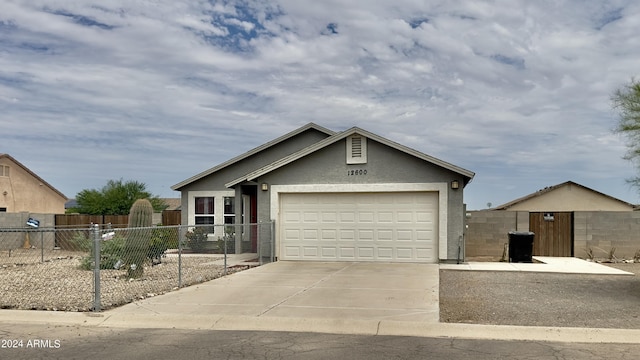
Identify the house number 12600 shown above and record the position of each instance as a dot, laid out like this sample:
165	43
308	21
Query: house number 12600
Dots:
356	172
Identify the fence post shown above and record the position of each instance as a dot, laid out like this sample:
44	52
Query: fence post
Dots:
96	267
42	246
226	238
259	243
180	231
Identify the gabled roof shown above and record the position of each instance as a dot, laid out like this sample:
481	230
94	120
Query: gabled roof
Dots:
7	156
252	152
342	135
548	189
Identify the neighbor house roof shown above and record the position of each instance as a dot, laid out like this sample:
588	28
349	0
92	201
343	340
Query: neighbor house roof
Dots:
41	180
342	135
252	152
548	189
172	203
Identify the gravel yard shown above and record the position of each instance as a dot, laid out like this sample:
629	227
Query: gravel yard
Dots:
59	284
542	299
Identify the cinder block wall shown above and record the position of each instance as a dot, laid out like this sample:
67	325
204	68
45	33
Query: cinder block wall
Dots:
487	231
10	222
599	231
603	230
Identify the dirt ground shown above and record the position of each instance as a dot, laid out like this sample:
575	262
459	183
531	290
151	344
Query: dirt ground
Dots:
542	299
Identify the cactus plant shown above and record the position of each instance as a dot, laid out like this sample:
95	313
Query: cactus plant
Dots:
139	237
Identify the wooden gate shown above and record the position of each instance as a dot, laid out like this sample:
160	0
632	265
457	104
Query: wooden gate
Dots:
553	233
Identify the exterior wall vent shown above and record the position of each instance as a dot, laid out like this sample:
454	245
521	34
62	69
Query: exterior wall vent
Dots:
356	149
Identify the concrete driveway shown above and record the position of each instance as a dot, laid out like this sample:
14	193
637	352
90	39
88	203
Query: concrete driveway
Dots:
303	290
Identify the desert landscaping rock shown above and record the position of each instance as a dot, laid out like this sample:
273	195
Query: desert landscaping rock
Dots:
541	299
59	284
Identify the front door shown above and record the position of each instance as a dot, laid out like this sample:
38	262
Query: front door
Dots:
249	221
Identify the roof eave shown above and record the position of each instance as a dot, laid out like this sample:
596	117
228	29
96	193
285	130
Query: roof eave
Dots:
339	136
252	152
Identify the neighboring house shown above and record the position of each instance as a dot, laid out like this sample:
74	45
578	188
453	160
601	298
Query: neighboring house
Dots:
21	190
562	218
172	203
337	196
568	196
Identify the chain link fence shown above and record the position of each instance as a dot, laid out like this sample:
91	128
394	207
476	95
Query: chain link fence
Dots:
100	267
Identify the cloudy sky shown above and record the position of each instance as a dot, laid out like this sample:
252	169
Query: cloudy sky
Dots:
159	90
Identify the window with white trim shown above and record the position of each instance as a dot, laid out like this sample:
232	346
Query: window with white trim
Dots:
356	149
229	210
4	170
204	210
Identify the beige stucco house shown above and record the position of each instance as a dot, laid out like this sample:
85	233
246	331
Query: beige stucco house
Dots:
21	190
568	196
566	219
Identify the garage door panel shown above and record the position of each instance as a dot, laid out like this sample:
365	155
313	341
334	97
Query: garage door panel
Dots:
385	235
348	253
385	253
385	217
311	235
405	235
366	235
405	217
310	217
366	217
329	217
404	253
329	234
359	226
329	252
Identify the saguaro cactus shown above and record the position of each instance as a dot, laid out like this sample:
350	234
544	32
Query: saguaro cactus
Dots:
138	237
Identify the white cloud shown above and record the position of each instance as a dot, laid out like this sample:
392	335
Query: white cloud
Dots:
158	91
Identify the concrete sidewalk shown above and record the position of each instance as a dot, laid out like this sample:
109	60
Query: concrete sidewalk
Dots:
566	265
342	298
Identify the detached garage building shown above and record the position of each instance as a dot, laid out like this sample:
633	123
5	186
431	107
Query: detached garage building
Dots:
345	196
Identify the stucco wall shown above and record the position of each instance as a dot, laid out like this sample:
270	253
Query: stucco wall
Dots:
571	198
385	165
599	231
217	181
20	191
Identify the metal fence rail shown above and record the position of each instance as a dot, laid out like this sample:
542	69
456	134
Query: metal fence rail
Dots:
96	268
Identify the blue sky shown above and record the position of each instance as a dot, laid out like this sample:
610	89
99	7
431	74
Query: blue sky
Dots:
157	91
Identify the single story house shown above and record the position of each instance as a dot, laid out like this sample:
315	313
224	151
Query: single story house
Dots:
567	196
565	219
21	190
336	196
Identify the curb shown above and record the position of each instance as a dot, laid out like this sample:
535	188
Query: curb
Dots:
333	326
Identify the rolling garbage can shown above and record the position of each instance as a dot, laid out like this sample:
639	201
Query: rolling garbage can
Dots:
521	246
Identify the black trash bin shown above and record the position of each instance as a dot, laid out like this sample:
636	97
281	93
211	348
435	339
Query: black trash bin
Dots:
521	246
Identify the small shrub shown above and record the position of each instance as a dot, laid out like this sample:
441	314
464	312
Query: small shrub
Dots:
80	242
111	251
161	240
197	239
590	255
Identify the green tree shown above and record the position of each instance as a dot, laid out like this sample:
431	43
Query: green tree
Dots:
626	101
115	198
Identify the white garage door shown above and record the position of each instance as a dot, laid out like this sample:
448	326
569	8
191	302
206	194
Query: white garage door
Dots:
391	227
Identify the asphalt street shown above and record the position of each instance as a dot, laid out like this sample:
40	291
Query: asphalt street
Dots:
31	341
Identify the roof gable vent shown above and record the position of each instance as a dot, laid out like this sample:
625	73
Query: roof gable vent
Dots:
356	149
